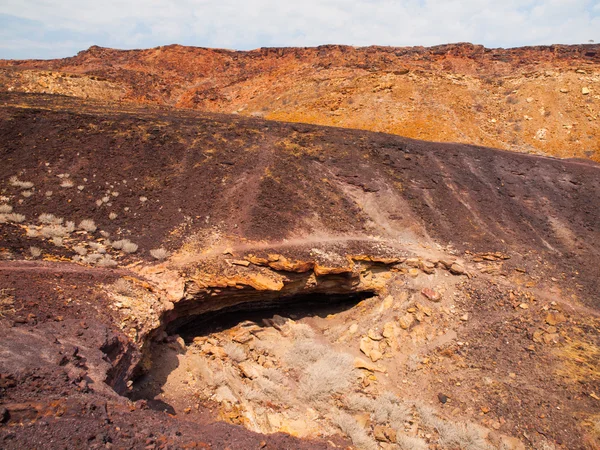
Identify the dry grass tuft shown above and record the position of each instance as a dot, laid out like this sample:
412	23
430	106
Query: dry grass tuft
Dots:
35	252
14	181
12	217
123	287
88	225
106	261
53	231
159	253
50	219
5	209
324	371
351	428
80	250
126	245
235	352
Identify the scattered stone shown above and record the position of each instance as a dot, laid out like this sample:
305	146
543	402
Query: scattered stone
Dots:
550	338
413	262
248	370
360	363
384	434
446	263
406	321
523	306
485	409
214	350
389	330
240	262
564	90
366	345
374	335
537	336
430	294
464	317
353	328
529	99
427	267
585	90
388	302
442	398
413	273
424	309
375	355
555	317
457	269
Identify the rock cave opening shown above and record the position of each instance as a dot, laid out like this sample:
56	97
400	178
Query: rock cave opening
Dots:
216	335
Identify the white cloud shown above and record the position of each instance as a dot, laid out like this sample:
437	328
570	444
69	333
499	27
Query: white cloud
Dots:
255	23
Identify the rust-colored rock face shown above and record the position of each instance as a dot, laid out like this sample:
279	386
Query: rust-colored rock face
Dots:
542	100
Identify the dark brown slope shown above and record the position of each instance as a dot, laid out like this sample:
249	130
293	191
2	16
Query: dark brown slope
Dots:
268	181
195	183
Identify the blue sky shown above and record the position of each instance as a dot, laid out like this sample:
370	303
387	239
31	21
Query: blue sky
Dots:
60	28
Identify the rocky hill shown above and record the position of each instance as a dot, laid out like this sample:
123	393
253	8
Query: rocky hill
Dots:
174	278
540	100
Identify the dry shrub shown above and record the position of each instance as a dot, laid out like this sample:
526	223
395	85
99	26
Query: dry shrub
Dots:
324	371
99	248
92	258
12	217
385	409
67	184
14	181
410	443
106	261
130	247
88	225
123	287
235	352
5	209
467	436
159	253
27	194
113	215
53	231
351	428
35	252
80	250
50	219
126	245
58	241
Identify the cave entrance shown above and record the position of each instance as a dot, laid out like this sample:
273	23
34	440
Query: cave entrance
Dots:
171	381
263	313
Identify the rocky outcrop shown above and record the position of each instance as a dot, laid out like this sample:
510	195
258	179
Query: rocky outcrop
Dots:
540	99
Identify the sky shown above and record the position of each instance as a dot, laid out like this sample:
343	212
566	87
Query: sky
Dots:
59	28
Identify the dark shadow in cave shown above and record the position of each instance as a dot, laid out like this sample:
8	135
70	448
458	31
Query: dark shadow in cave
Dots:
259	312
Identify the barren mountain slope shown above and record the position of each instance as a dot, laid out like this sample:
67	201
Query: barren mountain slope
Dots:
532	99
331	284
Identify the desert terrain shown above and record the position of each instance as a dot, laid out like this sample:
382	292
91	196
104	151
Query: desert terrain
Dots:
333	247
